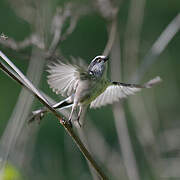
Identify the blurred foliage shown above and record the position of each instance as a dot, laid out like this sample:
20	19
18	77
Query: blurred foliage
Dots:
11	173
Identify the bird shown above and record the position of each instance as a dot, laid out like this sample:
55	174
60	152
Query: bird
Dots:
88	86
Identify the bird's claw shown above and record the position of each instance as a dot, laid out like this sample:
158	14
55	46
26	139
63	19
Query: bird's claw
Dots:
66	122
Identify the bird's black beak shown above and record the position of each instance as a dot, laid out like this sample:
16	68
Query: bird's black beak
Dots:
106	58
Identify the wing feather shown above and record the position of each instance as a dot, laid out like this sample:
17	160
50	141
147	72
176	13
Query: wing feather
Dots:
117	90
63	78
112	94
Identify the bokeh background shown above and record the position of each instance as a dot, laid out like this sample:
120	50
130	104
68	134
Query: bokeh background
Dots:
135	139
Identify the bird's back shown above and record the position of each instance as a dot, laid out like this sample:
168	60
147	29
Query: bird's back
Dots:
88	90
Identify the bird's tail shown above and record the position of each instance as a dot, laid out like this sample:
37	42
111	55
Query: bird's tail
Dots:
39	113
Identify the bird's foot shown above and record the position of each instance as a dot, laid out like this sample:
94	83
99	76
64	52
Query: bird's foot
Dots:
66	122
69	122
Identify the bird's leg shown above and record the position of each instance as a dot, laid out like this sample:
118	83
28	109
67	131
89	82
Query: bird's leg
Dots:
79	115
64	103
39	114
72	110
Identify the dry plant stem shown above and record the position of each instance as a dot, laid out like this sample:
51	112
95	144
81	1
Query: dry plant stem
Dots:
111	38
67	127
120	119
33	39
158	47
125	142
102	150
57	24
146	136
121	126
131	55
22	136
132	36
14	135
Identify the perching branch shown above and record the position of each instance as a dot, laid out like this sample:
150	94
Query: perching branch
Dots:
18	76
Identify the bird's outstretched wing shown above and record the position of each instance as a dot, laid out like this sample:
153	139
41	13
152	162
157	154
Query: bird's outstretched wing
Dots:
117	90
63	78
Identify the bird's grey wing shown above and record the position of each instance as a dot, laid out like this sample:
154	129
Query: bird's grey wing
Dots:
117	90
63	78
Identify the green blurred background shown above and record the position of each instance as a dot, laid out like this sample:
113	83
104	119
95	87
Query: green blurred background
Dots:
49	152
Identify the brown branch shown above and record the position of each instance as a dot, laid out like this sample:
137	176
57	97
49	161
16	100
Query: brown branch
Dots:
29	86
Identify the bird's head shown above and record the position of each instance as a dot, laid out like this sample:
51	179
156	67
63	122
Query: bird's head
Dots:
97	66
